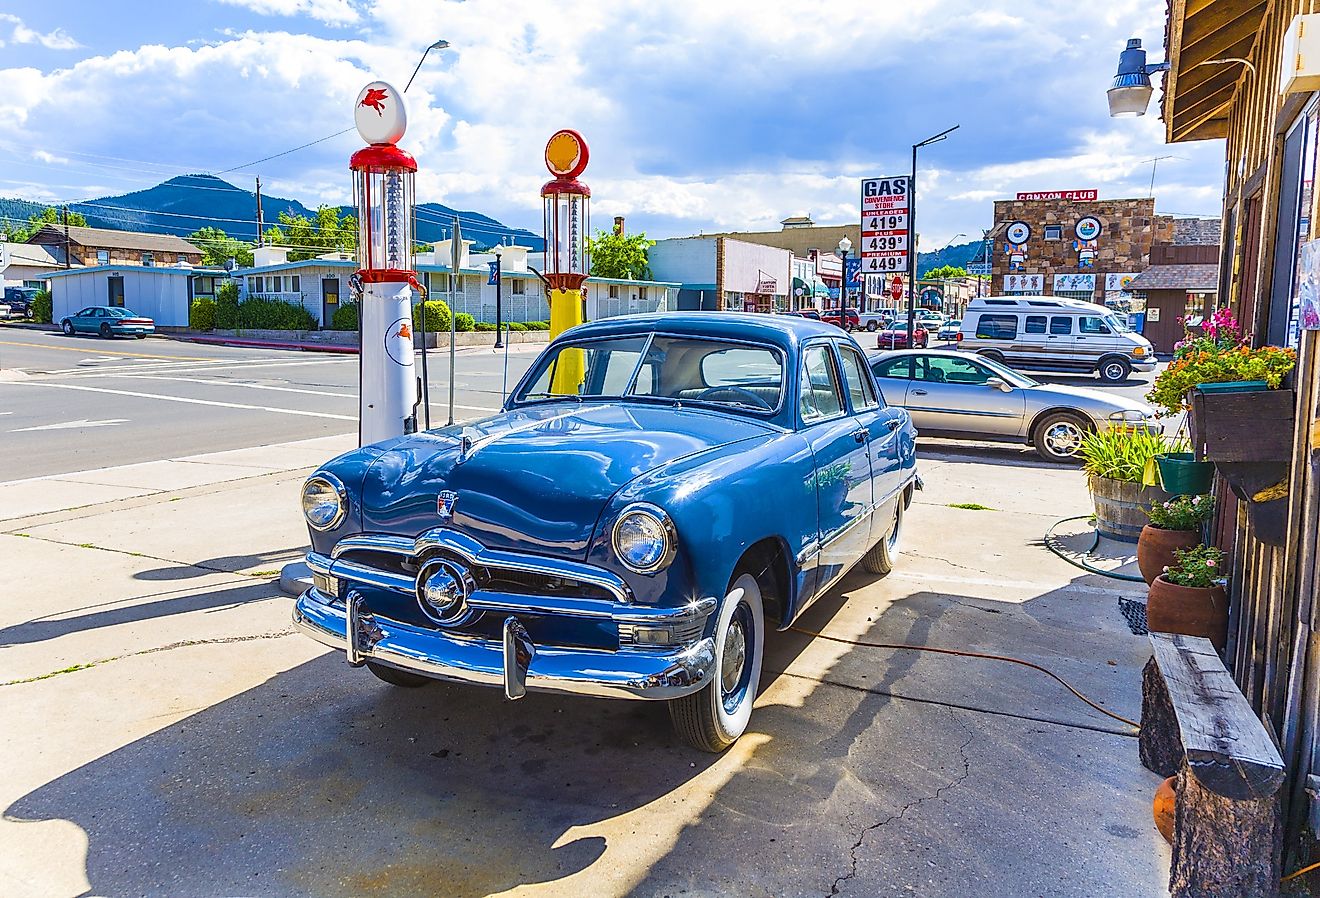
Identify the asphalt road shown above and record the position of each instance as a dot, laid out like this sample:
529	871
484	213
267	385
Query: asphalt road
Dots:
79	403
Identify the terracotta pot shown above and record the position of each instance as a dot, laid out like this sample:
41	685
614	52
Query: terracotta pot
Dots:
1155	548
1162	808
1190	610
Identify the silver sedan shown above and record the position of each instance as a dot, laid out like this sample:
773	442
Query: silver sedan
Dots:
956	395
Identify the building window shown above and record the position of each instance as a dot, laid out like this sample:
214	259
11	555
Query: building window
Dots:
295	284
641	293
518	286
1083	295
254	285
102	257
1054	232
614	291
148	259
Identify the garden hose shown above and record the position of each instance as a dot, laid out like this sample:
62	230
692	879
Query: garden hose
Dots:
1049	534
966	654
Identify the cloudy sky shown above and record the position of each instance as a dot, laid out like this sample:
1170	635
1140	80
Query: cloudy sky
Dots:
700	115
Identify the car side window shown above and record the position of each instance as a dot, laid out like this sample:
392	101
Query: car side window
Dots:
820	396
1060	324
83	313
855	375
944	370
996	327
1035	324
896	368
1089	324
98	313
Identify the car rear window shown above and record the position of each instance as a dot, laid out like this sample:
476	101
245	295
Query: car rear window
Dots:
996	327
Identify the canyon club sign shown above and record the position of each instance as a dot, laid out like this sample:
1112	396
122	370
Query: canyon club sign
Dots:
1067	196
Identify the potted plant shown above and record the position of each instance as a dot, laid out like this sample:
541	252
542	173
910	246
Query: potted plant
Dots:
1115	461
1188	597
1175	524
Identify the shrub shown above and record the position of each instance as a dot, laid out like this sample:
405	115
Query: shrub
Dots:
226	306
1122	453
262	313
345	317
464	322
201	315
1182	512
437	315
41	307
484	326
538	325
1199	566
516	326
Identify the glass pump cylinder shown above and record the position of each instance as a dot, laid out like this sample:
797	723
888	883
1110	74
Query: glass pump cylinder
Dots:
567	225
383	196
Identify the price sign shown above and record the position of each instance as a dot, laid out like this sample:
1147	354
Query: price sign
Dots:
886	233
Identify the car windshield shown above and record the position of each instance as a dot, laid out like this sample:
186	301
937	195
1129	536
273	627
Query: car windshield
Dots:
1117	324
1011	377
672	369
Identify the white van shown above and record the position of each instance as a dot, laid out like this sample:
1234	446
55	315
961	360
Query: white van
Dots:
1046	333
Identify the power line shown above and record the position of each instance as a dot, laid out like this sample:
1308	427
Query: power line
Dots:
285	153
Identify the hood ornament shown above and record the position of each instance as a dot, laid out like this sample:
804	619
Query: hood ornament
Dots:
466	440
444	505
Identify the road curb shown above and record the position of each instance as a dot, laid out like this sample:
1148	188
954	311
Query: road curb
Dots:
267	344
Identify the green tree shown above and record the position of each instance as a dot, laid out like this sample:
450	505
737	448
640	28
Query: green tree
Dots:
218	247
620	256
309	238
945	271
21	233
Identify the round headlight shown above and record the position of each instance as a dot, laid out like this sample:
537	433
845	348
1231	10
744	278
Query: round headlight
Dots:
644	538
324	502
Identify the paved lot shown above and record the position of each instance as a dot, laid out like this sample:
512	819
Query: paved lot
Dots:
79	403
166	734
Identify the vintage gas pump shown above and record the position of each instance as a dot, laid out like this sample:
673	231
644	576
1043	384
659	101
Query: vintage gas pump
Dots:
567	260
383	195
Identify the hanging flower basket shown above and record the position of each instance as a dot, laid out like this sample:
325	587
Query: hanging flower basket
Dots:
1182	475
1249	426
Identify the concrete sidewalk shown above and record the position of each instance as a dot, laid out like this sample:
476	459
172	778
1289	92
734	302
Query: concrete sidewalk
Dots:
167	733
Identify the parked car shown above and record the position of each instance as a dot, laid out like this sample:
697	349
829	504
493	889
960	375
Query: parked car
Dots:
657	493
1045	333
18	301
953	394
806	313
874	321
848	319
949	330
108	321
895	336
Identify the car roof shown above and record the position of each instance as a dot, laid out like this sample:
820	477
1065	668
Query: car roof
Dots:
1029	303
784	330
875	356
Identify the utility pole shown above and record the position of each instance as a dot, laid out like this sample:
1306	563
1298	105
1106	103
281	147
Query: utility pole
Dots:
258	210
65	215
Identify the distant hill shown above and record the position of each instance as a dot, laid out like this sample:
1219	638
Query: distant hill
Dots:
959	255
186	203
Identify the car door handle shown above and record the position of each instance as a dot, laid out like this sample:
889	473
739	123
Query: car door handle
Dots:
860	435
918	392
894	424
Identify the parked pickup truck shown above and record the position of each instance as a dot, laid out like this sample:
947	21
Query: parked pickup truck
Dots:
874	321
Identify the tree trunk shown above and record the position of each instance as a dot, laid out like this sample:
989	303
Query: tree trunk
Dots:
1160	745
1224	848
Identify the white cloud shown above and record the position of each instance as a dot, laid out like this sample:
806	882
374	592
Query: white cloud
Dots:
329	12
58	39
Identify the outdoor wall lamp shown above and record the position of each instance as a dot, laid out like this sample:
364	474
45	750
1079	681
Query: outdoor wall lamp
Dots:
1131	90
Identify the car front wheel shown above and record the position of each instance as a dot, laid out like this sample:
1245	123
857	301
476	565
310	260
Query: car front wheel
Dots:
67	327
713	718
1059	437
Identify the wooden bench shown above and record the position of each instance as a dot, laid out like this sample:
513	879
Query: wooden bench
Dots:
1196	725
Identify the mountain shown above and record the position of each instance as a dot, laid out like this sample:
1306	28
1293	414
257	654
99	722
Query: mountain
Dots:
958	255
186	203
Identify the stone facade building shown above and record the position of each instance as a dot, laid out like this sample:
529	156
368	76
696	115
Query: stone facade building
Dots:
101	246
1062	252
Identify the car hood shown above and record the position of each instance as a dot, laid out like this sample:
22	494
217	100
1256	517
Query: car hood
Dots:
535	479
1097	402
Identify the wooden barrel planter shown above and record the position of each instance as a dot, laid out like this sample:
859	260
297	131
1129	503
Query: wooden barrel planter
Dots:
1121	506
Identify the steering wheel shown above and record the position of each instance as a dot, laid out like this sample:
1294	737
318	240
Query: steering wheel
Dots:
711	395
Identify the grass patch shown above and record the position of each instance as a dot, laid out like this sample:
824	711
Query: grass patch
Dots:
970	506
54	673
263	574
87	546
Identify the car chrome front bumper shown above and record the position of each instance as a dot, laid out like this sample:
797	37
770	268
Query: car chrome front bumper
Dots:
512	663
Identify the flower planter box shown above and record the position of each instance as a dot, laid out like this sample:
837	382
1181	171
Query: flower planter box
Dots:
1121	507
1247	426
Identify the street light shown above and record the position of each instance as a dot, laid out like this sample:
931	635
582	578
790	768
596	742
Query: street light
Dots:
438	45
912	229
845	247
1131	89
499	279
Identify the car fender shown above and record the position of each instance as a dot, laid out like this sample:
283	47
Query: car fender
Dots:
1037	417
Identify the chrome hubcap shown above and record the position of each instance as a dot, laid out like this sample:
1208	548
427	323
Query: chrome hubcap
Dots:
1064	438
735	656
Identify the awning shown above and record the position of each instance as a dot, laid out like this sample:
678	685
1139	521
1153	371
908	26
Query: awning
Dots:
1192	278
1198	96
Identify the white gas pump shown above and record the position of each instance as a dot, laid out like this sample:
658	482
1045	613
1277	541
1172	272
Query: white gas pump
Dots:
383	196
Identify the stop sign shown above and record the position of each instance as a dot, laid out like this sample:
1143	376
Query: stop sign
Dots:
896	287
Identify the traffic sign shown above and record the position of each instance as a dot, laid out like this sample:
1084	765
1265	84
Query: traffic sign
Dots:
886	227
896	288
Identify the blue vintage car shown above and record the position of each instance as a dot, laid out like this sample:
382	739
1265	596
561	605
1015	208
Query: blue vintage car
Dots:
656	494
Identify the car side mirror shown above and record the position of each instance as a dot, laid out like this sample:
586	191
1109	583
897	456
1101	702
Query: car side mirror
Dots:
998	383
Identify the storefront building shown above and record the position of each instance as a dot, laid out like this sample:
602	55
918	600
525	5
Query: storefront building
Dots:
723	274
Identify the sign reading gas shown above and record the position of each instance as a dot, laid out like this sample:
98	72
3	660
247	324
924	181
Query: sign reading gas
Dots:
886	237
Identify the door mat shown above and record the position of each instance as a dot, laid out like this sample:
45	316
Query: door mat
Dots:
1134	612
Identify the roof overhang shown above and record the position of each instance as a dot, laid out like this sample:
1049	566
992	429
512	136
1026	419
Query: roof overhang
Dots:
1199	97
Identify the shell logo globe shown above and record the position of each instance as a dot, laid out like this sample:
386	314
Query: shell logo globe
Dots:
379	114
566	154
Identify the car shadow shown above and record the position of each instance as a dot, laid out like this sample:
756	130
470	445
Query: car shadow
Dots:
225	563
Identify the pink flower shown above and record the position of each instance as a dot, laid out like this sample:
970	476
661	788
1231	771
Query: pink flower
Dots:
1209	562
1166	569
